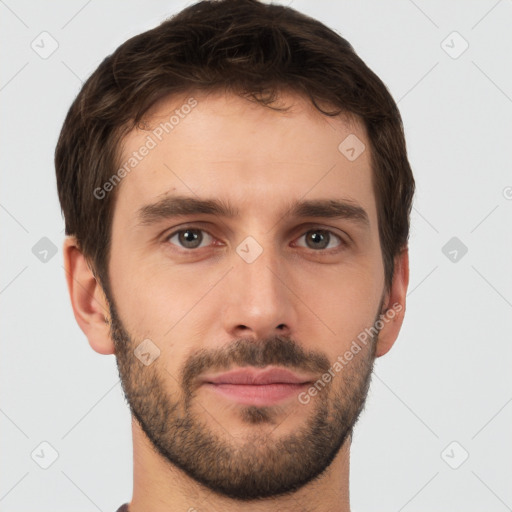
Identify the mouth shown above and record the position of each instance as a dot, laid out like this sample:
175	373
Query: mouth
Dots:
252	386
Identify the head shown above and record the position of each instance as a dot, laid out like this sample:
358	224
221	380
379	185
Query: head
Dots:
236	193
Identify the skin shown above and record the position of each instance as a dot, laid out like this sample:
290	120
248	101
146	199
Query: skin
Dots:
206	299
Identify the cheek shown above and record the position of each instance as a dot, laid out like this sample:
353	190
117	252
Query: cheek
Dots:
344	304
165	302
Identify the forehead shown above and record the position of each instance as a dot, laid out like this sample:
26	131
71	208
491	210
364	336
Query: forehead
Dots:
224	146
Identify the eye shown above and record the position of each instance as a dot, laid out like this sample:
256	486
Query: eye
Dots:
319	239
194	238
190	238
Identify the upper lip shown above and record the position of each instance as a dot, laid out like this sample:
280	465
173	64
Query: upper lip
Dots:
255	376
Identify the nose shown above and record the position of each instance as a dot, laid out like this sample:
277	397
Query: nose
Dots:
259	301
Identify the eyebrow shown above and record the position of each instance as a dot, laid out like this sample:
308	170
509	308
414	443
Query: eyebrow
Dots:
175	206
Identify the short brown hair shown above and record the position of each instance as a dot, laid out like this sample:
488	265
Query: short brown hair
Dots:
244	47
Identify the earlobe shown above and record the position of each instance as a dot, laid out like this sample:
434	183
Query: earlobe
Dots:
88	300
393	315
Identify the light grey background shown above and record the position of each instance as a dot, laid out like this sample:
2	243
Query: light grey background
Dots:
448	377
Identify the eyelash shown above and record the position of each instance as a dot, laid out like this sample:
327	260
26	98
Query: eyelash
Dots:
341	245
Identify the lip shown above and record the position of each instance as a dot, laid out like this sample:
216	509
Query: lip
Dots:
255	376
252	386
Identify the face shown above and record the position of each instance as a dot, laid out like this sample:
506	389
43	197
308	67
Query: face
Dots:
245	262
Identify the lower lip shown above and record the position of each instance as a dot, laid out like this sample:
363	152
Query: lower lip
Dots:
257	394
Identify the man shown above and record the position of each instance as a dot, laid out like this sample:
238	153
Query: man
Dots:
236	192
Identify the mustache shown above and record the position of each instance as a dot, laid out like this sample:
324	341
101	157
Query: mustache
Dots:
276	350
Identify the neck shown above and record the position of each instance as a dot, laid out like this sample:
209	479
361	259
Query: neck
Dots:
160	486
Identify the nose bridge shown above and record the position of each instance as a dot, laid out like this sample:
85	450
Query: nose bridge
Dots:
259	268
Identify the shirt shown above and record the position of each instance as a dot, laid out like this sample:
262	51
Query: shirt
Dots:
123	508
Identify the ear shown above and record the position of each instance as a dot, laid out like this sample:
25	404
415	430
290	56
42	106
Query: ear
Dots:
88	300
394	304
